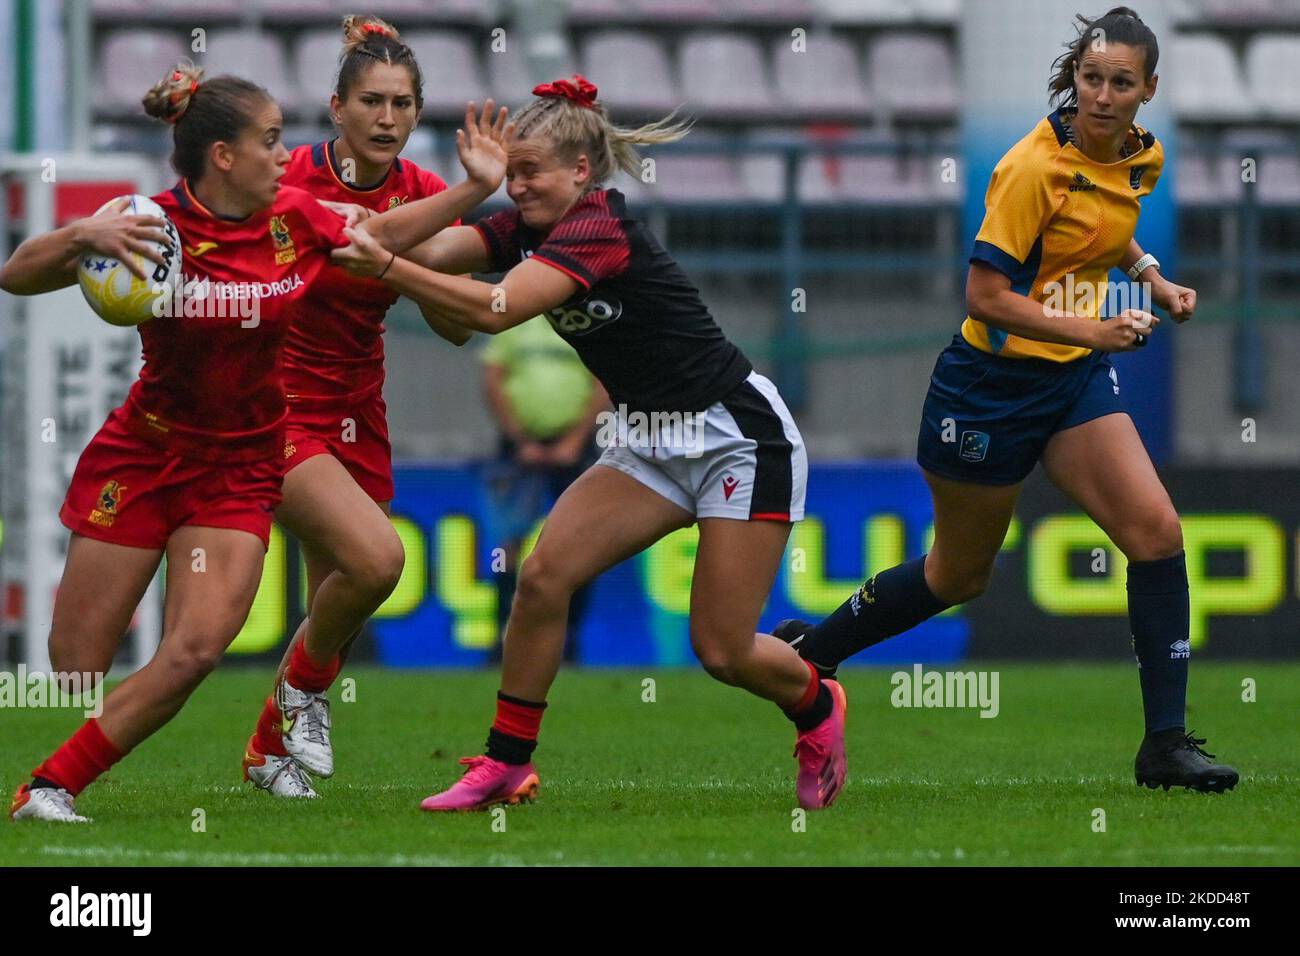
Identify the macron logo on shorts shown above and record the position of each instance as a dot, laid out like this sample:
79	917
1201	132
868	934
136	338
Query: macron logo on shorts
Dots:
974	446
729	484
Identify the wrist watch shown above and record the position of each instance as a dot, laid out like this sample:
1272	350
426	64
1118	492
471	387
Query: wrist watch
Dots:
1146	262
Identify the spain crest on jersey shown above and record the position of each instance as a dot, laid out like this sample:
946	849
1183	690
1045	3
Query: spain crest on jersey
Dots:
110	497
284	250
1135	176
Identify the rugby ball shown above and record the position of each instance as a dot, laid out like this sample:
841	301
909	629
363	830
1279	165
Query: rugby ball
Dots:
117	296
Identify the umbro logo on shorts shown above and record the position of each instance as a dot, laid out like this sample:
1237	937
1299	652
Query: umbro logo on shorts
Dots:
1180	649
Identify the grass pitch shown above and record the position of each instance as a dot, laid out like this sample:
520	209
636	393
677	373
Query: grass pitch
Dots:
701	775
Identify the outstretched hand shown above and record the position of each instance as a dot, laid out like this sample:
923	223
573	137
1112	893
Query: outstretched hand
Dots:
483	143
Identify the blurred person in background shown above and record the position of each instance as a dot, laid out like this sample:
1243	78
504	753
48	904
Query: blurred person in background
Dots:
545	404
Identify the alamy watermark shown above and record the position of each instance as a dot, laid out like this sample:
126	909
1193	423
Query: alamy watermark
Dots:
37	689
204	298
922	688
1073	297
671	431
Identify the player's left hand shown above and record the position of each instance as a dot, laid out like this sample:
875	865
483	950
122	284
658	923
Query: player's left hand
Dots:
1178	300
364	257
482	145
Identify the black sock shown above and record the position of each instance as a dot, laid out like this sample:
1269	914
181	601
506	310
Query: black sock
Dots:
43	783
1160	619
889	603
806	720
508	748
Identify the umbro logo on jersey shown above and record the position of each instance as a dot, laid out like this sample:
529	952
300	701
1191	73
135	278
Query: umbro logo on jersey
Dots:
729	484
203	247
1082	184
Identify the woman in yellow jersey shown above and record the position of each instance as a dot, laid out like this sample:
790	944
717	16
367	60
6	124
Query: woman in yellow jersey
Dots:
1029	379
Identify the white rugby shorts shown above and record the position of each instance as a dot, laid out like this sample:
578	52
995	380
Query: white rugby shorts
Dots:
741	458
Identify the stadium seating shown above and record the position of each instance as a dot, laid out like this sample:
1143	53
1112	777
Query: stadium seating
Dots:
1206	82
822	80
130	62
1244	11
913	74
194	8
865	11
452	76
632	69
509	79
723	75
112	9
316	60
321	10
253	54
594	11
1279	180
1202	179
1273	70
937	11
699	179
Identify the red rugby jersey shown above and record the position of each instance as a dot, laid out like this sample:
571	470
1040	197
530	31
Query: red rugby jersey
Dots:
335	354
211	386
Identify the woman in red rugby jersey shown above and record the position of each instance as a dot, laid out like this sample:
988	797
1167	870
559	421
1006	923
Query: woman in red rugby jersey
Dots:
338	463
190	464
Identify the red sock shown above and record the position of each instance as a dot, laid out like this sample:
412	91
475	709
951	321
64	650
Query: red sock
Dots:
269	738
518	718
82	758
305	674
810	694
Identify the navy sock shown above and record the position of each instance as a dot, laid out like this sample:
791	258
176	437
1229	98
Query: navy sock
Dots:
1160	619
890	603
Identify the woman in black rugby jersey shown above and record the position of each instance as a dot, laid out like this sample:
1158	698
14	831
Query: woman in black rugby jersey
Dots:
737	467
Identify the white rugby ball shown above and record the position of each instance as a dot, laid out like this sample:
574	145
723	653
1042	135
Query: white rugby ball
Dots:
117	296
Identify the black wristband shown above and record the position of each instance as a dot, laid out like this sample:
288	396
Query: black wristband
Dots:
387	267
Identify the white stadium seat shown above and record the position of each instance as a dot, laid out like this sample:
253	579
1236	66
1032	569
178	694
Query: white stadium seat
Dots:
631	70
1273	70
1205	81
130	62
824	78
724	74
913	75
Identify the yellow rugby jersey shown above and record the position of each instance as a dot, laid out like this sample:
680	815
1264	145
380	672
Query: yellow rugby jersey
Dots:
1050	211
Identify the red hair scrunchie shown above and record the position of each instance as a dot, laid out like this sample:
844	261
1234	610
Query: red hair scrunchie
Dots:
175	96
382	30
579	90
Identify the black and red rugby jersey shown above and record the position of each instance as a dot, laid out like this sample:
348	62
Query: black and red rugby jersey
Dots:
637	322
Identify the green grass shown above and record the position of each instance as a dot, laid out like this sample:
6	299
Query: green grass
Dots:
701	776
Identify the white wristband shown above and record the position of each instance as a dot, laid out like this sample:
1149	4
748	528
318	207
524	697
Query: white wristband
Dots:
1146	262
